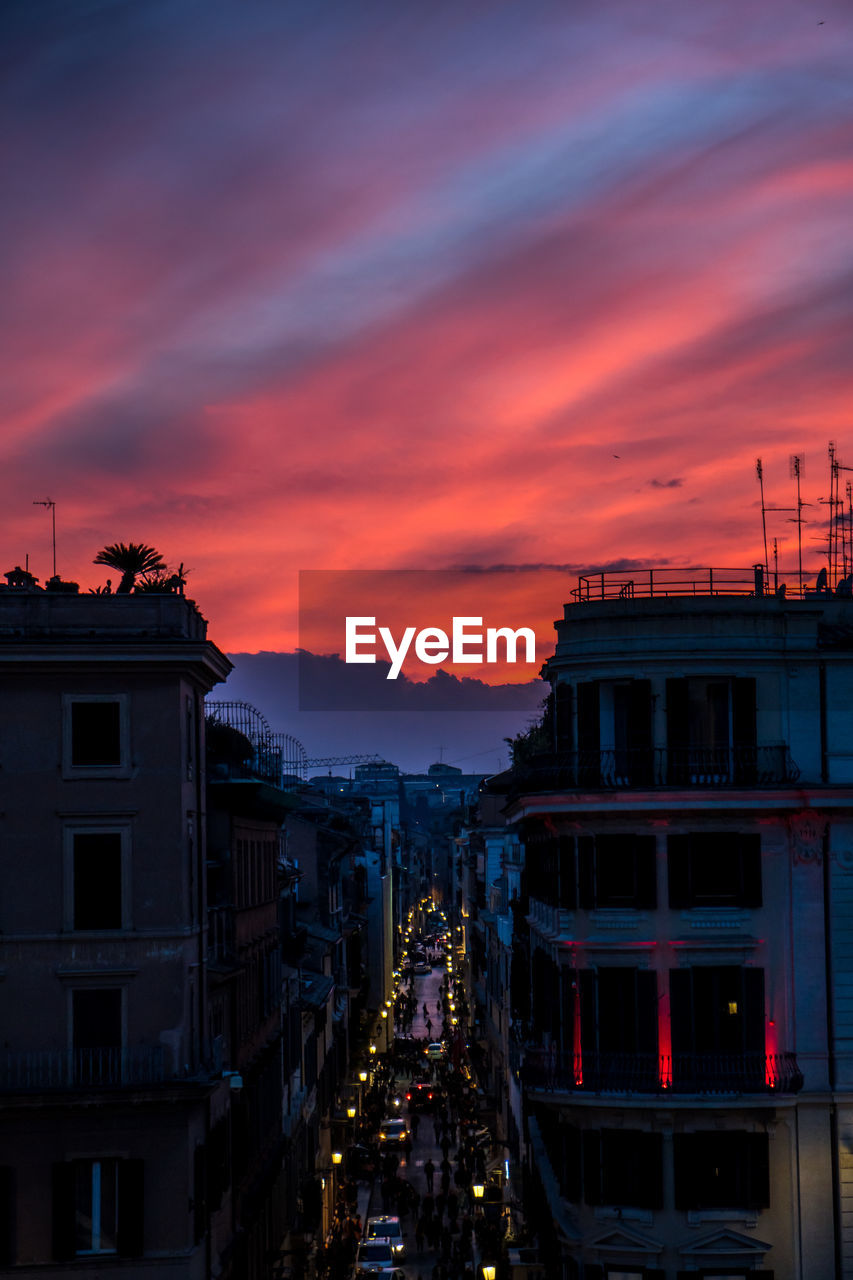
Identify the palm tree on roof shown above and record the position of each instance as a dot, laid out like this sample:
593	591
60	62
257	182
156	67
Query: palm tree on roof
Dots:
132	561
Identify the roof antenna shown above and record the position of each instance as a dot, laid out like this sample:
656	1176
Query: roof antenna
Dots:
797	465
48	502
760	473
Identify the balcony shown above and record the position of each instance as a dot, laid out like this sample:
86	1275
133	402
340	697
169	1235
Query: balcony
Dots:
41	1070
681	1073
643	768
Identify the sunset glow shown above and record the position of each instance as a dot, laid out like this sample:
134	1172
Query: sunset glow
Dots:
375	286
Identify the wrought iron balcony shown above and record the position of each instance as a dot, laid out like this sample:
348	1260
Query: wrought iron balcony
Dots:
47	1069
705	767
699	1073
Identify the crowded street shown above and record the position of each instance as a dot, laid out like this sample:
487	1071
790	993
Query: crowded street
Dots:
429	1157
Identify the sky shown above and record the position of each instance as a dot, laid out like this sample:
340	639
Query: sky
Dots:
370	285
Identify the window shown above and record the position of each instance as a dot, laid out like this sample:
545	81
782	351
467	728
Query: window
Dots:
711	730
97	1208
619	1014
96	1035
614	732
617	871
714	869
716	1170
97	857
95	735
623	1167
718	1011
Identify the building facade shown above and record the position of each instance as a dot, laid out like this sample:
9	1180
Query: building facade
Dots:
108	1078
684	1031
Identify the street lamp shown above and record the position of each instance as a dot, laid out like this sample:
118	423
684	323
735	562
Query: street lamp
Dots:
478	1190
337	1157
351	1112
362	1075
489	1271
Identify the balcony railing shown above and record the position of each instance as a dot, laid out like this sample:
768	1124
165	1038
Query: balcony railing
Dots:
46	1069
702	1073
706	767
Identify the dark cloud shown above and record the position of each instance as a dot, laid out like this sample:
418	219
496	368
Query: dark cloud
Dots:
667	484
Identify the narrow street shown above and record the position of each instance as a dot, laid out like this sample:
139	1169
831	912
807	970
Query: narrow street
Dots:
439	1229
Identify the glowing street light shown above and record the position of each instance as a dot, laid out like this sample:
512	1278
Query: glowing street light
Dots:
337	1157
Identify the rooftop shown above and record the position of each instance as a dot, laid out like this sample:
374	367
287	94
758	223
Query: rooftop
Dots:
755	581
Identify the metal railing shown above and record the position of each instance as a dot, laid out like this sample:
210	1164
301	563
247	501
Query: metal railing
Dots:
634	584
45	1069
659	767
702	1073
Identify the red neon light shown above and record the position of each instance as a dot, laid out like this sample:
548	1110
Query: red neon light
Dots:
664	1041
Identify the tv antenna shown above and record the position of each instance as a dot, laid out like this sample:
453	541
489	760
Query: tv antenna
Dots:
48	502
797	467
759	470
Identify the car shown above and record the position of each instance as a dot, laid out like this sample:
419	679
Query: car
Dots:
422	967
394	1132
387	1228
374	1255
435	1051
422	1096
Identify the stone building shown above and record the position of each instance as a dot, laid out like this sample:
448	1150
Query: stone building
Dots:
109	1081
684	1033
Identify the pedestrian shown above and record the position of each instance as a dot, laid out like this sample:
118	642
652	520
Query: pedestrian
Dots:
429	1172
420	1232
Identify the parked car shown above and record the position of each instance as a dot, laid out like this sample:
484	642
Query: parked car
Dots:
394	1132
423	967
374	1255
387	1228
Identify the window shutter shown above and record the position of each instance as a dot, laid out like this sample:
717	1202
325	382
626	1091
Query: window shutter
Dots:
589	738
568	999
199	1193
750	852
640	715
572	1164
757	1150
655	1179
681	1010
63	1211
568	873
131	1208
589	1013
563	735
753	1010
647	1011
646	855
685	1177
743	712
677	870
586	872
7	1215
677	732
591	1166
